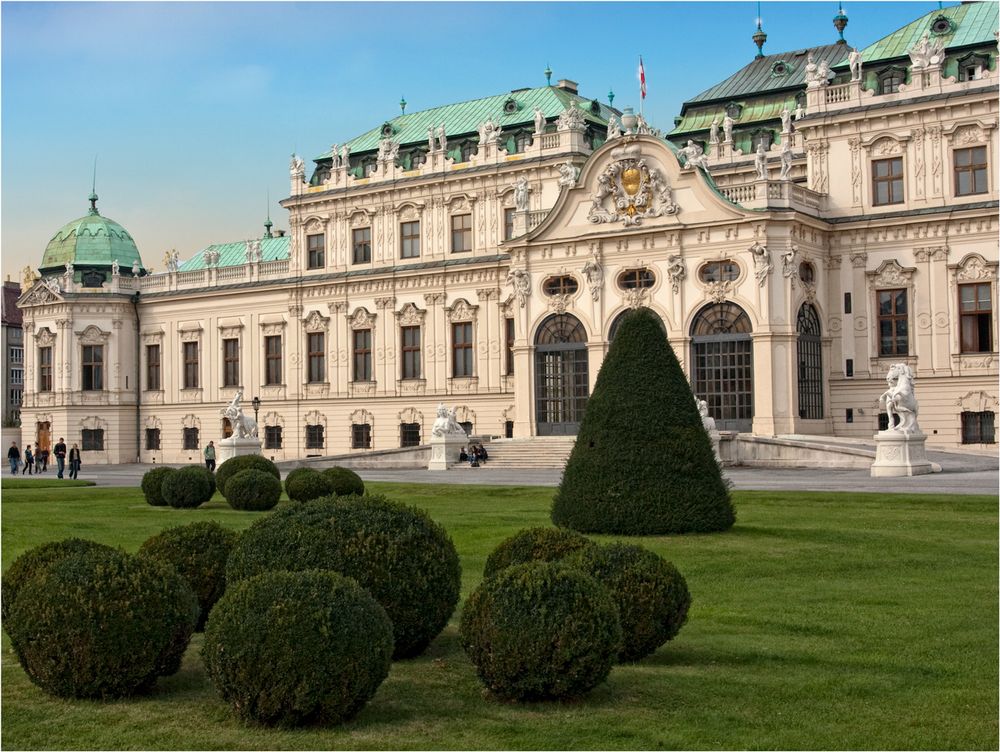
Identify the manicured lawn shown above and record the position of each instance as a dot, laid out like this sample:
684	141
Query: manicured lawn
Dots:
819	621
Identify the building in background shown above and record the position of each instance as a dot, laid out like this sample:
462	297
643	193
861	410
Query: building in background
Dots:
813	218
13	355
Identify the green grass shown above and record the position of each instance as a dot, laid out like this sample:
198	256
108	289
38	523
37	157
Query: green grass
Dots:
10	484
854	621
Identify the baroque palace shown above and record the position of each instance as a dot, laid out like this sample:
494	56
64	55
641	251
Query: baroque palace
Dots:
810	220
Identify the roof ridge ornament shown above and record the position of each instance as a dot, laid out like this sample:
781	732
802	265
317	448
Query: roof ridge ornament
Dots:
759	36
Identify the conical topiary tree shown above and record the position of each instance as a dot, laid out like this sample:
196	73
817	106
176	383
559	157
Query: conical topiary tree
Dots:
642	463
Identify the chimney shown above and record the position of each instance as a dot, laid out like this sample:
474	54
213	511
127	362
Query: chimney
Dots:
566	85
279	233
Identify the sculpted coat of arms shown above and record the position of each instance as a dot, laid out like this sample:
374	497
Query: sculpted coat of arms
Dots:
634	190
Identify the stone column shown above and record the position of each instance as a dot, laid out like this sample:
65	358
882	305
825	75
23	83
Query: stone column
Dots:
862	304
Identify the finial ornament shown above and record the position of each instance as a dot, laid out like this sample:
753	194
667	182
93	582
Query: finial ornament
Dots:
840	23
759	36
548	75
611	97
402	104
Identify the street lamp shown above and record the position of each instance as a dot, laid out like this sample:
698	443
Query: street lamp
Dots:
256	408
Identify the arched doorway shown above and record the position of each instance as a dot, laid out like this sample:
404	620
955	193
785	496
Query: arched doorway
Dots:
810	363
722	364
562	379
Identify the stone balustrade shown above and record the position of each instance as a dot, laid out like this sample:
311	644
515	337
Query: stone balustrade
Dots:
776	194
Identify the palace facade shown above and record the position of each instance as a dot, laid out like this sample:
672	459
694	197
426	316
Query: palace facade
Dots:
808	221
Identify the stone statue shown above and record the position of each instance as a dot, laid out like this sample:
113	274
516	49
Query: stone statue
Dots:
786	160
593	272
387	150
521	191
727	129
926	53
568	174
253	252
786	121
823	72
442	138
539	122
430	138
694	155
69	268
446	422
345	156
676	271
244	427
614	127
335	156
762	262
520	283
800	111
115	269
898	400
812	71
570	119
661	187
788	266
713	136
706	420
297	168
855	61
135	268
760	162
27	277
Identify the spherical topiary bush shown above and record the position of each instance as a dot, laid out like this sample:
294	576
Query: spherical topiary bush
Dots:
187	488
234	465
345	482
152	483
198	552
652	596
253	491
541	630
102	624
306	484
294	647
31	562
401	556
535	544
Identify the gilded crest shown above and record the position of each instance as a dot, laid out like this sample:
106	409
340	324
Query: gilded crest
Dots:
636	191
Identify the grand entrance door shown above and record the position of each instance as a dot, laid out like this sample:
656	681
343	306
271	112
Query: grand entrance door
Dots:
44	436
562	382
722	364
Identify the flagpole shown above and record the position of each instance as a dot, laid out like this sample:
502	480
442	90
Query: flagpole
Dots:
642	99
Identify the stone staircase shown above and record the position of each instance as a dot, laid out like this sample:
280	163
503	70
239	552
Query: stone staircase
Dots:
537	453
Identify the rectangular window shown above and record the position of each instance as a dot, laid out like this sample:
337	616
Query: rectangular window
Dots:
361	240
410	336
461	349
230	362
970	171
461	233
45	369
190	365
93	440
509	329
409	237
979	428
316	245
317	358
16	354
153	367
893	324
190	438
314	437
409	434
361	436
508	223
272	359
508	429
887	181
93	368
975	305
16	376
152	439
847	302
363	355
850	415
272	437
849	367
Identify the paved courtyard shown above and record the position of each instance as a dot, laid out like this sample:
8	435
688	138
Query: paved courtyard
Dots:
962	473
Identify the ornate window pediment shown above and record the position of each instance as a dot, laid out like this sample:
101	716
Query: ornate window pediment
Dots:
44	337
361	417
411	415
191	421
890	275
93	335
410	315
361	319
462	310
974	268
315	322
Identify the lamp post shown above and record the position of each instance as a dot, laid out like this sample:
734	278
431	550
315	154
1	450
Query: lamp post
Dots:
256	408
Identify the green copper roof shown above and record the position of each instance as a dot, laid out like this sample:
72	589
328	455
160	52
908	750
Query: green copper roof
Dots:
92	241
972	23
754	111
234	254
465	117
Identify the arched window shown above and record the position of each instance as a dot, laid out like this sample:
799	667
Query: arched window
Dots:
810	363
632	279
890	79
616	324
562	382
722	364
719	271
561	330
564	285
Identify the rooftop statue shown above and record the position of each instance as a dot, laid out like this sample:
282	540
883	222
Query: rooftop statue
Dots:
614	127
539	122
442	139
786	160
760	162
786	121
694	155
568	174
521	191
855	61
727	129
713	136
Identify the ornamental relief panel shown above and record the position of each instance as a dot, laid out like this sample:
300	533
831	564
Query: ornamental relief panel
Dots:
315	322
361	417
272	329
410	315
890	274
968	135
978	402
192	334
411	415
361	319
634	190
461	311
93	335
44	337
974	268
191	421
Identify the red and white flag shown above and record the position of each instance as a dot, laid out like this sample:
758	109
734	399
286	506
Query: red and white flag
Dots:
642	79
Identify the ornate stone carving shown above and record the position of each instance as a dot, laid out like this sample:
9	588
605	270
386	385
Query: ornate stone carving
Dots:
383	303
761	261
789	264
431	298
636	190
718	291
361	319
93	335
44	337
568	174
46	291
571	119
978	402
559	303
388	150
636	297
593	272
297	167
272	329
975	269
461	310
899	401
890	274
886	147
676	272
489	132
858	260
694	156
520	283
446	423
315	322
926	52
410	315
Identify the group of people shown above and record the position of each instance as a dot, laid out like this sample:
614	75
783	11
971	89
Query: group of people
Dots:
37	461
474	455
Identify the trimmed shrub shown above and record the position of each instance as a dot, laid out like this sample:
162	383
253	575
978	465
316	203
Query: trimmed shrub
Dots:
152	482
102	624
535	544
296	647
31	562
253	491
651	595
233	465
540	631
306	484
642	463
198	552
405	559
188	488
345	482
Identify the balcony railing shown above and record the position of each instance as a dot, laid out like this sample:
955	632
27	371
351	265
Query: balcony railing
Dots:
775	194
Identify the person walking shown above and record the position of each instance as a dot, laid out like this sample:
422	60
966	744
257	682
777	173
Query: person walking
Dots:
60	451
14	457
41	459
29	461
74	461
210	456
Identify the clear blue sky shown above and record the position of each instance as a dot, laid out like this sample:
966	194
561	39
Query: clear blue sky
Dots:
194	108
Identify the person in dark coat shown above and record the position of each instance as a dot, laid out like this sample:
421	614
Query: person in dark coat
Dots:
14	457
74	461
59	450
29	461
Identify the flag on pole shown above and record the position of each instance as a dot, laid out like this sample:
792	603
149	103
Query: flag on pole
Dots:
642	79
